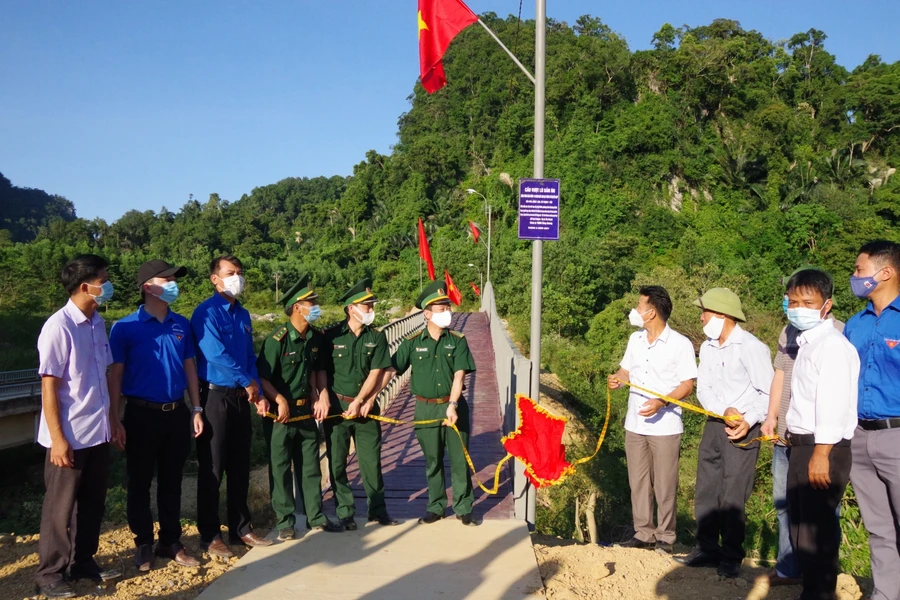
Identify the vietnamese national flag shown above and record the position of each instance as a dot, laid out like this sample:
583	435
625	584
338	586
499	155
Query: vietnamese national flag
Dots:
452	291
475	289
475	231
439	22
424	250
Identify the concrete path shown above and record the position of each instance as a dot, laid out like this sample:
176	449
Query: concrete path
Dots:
445	560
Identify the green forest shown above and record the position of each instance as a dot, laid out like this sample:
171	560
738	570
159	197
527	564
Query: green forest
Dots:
717	158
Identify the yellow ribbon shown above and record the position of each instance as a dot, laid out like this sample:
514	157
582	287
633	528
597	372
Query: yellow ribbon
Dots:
700	410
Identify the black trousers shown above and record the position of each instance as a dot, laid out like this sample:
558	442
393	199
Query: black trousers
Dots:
157	441
815	533
223	449
725	475
72	512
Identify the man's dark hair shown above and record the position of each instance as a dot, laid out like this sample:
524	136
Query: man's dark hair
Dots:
82	269
659	299
812	279
289	309
214	264
883	251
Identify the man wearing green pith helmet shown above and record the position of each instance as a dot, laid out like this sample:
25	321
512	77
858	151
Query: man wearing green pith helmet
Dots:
291	369
440	358
355	355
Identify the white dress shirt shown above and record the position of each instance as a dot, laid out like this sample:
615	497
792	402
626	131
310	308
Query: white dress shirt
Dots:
824	386
76	350
661	367
737	374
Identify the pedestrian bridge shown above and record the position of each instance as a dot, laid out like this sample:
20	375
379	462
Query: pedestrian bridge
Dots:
412	561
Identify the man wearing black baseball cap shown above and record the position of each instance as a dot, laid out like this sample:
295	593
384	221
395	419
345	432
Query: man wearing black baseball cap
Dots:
153	366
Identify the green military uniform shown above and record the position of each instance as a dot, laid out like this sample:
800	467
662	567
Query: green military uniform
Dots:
434	364
350	359
288	360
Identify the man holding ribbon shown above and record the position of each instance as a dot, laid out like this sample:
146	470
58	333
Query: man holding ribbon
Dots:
291	367
356	355
734	378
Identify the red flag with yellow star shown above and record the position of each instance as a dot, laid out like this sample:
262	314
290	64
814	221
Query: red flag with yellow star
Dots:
452	291
439	22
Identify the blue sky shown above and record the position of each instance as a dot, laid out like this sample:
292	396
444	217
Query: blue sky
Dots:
120	105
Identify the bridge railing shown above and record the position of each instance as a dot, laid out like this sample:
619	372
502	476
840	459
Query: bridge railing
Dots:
18	376
513	377
396	332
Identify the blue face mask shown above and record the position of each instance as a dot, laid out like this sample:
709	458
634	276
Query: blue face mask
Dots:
804	318
314	313
863	286
784	305
170	292
106	292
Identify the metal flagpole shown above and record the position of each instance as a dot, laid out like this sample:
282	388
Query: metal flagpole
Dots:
489	244
537	249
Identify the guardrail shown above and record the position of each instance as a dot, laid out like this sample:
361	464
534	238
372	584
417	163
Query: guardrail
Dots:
16	376
20	390
396	332
513	377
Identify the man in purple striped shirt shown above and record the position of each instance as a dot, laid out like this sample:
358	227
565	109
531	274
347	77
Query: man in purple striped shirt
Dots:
76	429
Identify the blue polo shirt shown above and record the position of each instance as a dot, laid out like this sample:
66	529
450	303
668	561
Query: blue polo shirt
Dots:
224	337
877	339
153	353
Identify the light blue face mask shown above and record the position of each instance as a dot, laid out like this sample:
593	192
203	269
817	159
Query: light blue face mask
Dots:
784	305
804	318
314	313
106	292
170	292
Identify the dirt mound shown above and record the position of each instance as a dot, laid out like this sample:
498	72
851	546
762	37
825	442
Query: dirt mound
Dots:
571	570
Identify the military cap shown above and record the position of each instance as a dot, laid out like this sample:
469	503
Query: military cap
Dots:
361	293
722	300
434	293
299	291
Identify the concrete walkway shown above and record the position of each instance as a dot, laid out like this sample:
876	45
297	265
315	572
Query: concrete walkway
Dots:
445	560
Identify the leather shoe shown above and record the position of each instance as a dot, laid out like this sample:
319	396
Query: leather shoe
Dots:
384	520
664	547
635	543
91	570
467	520
254	541
699	558
178	554
430	518
58	589
216	548
331	527
729	569
776	580
349	523
143	558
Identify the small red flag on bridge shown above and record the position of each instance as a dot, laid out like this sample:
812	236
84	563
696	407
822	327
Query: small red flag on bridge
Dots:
475	289
424	250
475	231
439	22
452	291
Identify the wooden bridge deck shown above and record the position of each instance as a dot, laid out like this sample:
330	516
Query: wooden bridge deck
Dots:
403	464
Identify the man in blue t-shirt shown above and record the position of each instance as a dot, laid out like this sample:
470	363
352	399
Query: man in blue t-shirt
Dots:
226	367
875	332
153	366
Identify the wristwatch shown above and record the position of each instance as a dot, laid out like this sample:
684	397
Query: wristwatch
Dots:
197	409
453	403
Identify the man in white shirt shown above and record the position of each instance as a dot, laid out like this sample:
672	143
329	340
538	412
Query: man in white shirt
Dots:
733	380
821	421
659	359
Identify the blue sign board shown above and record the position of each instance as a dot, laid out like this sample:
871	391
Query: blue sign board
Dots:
539	209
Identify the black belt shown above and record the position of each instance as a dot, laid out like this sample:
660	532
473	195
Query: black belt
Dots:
809	439
879	424
239	391
163	406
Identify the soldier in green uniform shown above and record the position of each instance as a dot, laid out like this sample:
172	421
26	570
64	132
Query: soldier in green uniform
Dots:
293	379
440	358
356	355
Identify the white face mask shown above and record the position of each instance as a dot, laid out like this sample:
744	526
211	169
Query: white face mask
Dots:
442	319
232	285
366	318
636	318
713	328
